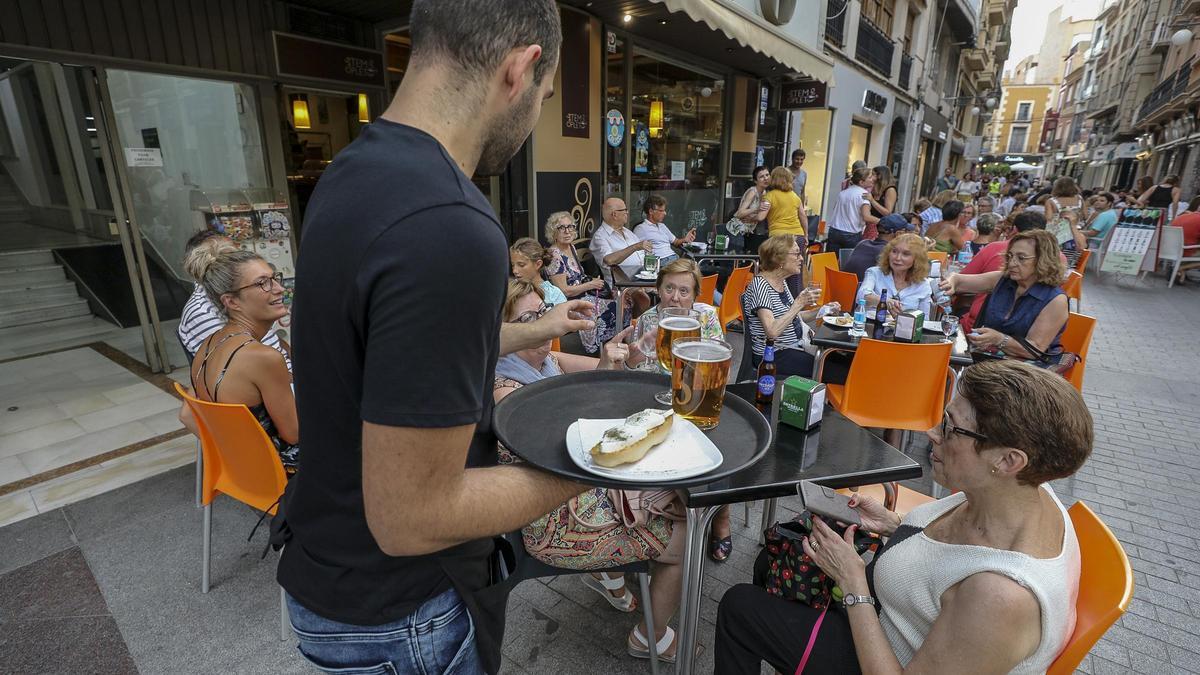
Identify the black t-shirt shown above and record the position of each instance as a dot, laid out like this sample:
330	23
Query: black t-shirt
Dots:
400	286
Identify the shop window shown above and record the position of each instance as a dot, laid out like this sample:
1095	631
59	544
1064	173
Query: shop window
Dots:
677	121
814	138
615	106
1016	139
860	144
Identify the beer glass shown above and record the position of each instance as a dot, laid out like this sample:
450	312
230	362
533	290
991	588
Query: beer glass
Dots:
699	371
674	323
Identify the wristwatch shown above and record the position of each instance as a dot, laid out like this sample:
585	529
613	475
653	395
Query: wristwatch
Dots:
1000	347
851	600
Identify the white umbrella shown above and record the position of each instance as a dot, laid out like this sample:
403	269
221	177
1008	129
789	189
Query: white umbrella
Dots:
1022	166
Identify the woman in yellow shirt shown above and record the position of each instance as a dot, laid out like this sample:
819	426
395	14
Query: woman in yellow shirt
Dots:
787	216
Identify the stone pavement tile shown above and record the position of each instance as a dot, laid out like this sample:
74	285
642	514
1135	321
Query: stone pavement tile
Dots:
32	539
57	586
167	496
70	644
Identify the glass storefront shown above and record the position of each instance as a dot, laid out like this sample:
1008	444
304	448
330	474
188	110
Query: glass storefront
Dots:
860	144
676	122
813	137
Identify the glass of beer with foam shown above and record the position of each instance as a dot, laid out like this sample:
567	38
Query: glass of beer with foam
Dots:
699	371
674	323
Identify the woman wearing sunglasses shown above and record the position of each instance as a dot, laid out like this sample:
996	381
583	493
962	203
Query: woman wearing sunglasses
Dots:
593	531
232	365
983	581
1025	301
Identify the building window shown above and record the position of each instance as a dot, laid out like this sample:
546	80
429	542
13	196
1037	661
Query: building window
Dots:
909	29
1024	108
880	13
1016	139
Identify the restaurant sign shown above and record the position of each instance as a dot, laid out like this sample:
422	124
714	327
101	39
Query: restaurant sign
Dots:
874	102
802	95
311	59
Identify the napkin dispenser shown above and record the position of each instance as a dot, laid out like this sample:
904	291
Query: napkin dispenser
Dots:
802	402
910	326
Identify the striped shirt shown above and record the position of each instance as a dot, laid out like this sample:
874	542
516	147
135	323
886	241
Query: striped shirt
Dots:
760	294
200	319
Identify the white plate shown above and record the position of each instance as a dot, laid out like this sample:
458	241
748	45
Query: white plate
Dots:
685	453
645	276
831	321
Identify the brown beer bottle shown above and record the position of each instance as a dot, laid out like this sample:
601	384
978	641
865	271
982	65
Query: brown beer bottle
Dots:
766	380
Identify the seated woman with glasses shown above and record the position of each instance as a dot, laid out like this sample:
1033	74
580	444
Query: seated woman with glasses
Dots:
903	270
984	580
600	528
232	365
773	314
565	272
1025	301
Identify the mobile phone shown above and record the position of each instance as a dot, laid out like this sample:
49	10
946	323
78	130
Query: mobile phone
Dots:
826	502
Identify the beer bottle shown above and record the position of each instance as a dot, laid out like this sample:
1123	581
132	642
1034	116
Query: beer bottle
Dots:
766	380
881	311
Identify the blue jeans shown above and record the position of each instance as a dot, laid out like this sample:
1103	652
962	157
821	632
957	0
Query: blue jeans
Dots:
437	638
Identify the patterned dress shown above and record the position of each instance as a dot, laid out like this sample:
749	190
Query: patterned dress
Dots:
586	532
605	302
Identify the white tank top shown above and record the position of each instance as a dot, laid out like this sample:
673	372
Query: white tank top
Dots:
912	573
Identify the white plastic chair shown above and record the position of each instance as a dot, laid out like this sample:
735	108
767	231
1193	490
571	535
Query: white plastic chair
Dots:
1172	250
1101	244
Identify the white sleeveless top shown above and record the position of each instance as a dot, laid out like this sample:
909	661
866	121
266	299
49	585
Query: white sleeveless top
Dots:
913	571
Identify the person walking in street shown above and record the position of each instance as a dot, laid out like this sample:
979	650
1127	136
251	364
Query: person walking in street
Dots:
851	212
799	175
390	556
947	182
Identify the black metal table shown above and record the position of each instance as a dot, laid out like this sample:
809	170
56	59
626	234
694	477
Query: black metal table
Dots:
827	337
724	256
837	453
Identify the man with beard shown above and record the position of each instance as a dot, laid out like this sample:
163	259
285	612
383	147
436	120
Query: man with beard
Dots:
390	559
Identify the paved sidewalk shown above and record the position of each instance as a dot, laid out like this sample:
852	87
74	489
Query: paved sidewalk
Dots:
112	583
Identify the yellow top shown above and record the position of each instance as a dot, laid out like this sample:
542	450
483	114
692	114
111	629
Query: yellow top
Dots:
783	218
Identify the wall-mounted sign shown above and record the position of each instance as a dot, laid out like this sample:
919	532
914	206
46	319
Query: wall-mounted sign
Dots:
614	128
941	135
678	171
874	102
312	59
575	65
802	95
611	42
143	157
641	150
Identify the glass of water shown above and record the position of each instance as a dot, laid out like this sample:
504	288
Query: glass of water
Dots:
950	327
645	337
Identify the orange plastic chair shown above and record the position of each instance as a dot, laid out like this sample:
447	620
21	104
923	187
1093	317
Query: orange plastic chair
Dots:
1081	264
940	256
840	287
555	345
817	264
1105	587
821	229
708	289
731	299
874	397
1077	338
1073	287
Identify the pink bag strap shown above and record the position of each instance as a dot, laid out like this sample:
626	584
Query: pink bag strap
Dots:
812	640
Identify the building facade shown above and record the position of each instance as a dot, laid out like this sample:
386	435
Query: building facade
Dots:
1018	127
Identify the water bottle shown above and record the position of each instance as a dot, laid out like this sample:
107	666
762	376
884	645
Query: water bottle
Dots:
860	318
965	255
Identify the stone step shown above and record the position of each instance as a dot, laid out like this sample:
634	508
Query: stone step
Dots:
42	313
28	277
24	298
13	259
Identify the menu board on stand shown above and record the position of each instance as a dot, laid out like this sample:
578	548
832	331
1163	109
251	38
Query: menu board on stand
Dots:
258	220
1133	248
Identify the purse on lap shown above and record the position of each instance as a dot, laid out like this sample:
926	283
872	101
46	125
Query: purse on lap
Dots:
791	574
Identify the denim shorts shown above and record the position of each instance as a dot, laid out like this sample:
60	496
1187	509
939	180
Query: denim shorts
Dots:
437	638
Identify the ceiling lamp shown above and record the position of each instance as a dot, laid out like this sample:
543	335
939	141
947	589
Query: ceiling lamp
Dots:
300	117
656	118
364	109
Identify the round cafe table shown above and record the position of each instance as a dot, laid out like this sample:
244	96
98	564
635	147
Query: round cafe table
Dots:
532	423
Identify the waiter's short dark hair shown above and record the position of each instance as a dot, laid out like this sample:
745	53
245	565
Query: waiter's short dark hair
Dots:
952	209
477	34
1029	220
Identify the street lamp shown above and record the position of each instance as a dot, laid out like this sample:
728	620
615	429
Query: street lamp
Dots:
990	102
975	111
1182	37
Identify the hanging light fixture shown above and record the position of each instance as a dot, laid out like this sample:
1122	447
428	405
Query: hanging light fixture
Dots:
656	118
300	111
364	109
1182	37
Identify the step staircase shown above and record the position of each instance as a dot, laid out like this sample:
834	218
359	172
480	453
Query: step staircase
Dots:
34	289
13	207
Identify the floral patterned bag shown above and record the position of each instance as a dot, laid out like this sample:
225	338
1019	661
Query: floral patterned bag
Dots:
791	574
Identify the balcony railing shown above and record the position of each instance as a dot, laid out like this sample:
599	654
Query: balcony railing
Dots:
875	49
835	22
906	62
1166	91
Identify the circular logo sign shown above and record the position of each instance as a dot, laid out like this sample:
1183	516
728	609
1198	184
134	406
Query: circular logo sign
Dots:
614	125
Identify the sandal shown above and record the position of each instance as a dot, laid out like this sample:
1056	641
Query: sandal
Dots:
626	603
639	648
719	549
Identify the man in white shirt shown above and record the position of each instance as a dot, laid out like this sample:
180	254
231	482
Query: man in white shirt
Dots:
655	231
615	244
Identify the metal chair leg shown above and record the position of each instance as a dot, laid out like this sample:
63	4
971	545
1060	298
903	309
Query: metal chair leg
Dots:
768	518
199	473
746	514
205	555
283	616
648	613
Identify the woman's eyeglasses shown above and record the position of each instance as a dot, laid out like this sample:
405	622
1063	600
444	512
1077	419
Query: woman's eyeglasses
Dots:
265	283
532	315
1021	258
948	428
565	226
